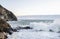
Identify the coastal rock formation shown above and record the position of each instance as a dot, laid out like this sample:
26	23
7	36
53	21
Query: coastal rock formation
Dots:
5	27
6	14
3	35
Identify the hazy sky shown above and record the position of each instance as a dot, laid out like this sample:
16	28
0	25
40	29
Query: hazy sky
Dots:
32	7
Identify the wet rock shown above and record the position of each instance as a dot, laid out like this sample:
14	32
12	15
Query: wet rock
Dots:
5	27
58	32
51	30
27	27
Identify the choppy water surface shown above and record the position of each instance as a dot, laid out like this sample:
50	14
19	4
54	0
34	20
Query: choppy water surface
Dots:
35	33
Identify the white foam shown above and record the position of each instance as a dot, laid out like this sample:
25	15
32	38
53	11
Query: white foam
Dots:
29	34
34	35
55	26
39	26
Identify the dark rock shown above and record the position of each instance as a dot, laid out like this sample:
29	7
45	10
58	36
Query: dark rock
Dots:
51	30
40	30
58	32
27	27
6	14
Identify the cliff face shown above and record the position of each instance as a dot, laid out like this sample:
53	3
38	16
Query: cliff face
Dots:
6	14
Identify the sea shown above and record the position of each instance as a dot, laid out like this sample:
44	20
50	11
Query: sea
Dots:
43	27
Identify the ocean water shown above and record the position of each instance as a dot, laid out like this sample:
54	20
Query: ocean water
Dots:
40	29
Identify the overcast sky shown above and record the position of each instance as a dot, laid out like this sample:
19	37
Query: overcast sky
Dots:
32	7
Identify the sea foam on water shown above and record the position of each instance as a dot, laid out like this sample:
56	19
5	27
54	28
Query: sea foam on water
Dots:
55	26
39	26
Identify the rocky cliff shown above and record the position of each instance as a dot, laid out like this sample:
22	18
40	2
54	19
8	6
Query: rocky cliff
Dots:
6	14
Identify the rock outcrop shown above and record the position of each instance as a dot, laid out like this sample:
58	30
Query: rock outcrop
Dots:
5	27
6	14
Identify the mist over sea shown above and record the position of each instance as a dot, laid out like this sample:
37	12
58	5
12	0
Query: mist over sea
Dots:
41	27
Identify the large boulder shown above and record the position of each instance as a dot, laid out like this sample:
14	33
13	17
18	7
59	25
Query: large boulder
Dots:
6	14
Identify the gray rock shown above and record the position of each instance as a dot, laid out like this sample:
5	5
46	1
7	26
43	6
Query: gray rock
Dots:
6	14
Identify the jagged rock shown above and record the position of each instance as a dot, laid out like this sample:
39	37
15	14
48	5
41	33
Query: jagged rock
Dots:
5	27
6	14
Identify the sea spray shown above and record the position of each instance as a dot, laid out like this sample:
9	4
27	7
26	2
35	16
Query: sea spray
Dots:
55	26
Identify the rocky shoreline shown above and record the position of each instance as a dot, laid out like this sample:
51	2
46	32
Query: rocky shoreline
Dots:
6	15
